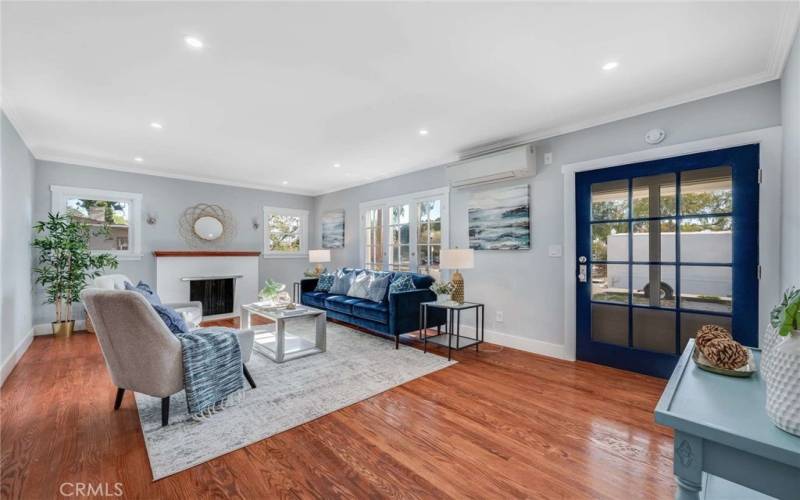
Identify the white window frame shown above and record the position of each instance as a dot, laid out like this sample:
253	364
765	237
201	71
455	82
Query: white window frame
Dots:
292	212
60	195
410	199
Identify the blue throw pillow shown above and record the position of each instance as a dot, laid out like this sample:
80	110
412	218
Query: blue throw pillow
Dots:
402	283
171	318
379	282
144	289
342	282
325	282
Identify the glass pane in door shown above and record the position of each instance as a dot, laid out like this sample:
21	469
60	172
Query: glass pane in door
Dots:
707	239
373	239
610	324
654	330
707	191
610	200
610	283
399	238
429	236
654	196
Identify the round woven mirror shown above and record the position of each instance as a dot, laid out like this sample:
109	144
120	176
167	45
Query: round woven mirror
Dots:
209	228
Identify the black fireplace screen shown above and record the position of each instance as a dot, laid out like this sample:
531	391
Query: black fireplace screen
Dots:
215	294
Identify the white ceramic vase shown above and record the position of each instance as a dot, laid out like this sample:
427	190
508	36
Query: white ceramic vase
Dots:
780	368
442	298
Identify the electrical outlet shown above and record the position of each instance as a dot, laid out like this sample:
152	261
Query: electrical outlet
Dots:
548	158
498	316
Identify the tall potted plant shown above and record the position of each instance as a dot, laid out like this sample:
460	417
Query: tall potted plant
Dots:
65	263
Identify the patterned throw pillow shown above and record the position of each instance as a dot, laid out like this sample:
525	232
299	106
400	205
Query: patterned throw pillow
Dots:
325	282
342	282
144	289
360	286
171	318
378	284
401	283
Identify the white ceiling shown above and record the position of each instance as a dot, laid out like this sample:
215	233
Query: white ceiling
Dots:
282	91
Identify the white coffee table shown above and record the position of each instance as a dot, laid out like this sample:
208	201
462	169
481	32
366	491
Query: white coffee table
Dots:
275	342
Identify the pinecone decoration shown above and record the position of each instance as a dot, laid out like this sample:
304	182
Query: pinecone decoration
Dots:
707	333
725	353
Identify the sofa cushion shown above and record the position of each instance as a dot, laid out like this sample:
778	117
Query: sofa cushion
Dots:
402	282
341	303
342	282
422	281
316	299
367	309
378	286
325	282
360	286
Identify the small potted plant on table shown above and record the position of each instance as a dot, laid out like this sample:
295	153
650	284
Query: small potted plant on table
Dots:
442	289
65	263
273	293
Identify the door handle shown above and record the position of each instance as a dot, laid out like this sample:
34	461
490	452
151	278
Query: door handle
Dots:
582	269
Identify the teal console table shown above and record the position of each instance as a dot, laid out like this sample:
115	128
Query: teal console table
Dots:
722	431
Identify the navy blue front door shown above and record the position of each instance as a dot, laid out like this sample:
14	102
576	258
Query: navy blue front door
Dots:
663	248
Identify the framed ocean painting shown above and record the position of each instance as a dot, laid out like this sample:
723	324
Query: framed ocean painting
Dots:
333	229
499	218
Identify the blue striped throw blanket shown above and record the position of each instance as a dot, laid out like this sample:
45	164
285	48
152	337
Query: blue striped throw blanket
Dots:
212	368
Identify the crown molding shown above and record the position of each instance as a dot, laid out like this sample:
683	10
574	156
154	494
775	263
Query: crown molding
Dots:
787	29
51	157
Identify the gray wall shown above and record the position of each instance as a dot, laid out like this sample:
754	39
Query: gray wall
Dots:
167	199
17	168
528	286
790	223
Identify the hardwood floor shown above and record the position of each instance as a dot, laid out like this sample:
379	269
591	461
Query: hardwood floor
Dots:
501	423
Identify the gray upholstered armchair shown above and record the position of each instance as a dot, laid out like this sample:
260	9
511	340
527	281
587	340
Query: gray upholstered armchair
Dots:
141	353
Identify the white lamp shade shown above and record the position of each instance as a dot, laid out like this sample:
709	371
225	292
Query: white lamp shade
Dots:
319	255
457	258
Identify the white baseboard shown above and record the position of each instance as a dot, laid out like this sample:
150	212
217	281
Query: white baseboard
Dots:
11	361
522	343
46	329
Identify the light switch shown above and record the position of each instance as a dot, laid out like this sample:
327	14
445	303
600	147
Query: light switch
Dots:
548	158
554	251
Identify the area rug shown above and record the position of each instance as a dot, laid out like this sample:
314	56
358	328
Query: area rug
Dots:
355	366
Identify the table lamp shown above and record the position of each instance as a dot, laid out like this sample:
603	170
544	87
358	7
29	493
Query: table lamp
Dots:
457	258
318	257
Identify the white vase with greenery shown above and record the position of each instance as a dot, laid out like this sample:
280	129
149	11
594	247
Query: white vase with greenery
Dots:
443	290
65	263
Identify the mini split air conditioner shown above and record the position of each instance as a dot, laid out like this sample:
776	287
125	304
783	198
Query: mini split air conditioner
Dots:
502	165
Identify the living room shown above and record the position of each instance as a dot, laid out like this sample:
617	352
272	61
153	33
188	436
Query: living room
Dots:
441	249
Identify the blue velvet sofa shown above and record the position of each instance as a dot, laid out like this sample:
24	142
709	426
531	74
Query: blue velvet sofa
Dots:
396	315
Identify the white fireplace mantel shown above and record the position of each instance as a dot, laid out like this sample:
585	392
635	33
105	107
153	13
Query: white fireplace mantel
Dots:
174	267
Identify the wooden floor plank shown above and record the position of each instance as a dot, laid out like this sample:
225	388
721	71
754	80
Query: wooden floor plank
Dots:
501	423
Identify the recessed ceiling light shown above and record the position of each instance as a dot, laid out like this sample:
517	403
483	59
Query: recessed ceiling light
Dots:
193	42
138	159
423	131
610	65
285	182
337	165
156	125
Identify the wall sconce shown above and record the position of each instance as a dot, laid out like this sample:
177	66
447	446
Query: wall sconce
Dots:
151	219
256	225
